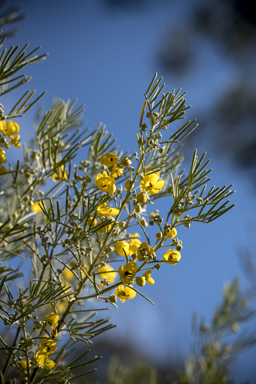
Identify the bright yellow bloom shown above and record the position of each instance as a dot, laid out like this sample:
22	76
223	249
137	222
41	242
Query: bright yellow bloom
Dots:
145	278
105	183
60	174
9	129
142	198
36	207
107	272
42	360
15	141
109	159
117	171
69	275
144	251
134	244
172	256
47	346
52	319
105	229
151	184
125	162
172	233
122	248
3	159
61	306
125	293
2	169
148	277
23	364
128	272
91	222
2	126
102	210
54	332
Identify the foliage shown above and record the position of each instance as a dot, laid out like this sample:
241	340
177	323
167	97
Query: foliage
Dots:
214	348
69	223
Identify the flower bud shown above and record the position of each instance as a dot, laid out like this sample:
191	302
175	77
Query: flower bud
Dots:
141	281
144	222
112	299
138	208
125	162
172	233
159	235
142	197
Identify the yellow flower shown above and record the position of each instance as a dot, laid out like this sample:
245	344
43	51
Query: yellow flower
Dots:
47	346
148	277
128	272
172	233
125	162
172	256
107	272
61	306
42	360
11	129
68	274
52	319
105	183
134	244
23	364
2	156
144	250
15	141
142	198
122	248
125	293
91	222
145	278
117	171
2	126
54	332
36	207
102	210
60	174
151	184
109	159
105	229
2	169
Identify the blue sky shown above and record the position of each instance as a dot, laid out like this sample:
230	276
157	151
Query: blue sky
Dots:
107	60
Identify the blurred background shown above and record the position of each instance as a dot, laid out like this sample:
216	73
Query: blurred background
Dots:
105	53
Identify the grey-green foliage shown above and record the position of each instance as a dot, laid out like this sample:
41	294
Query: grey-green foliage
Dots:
12	61
64	239
140	373
189	192
217	344
214	348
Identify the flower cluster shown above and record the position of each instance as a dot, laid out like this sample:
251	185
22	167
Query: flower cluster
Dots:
132	249
47	345
46	348
8	130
